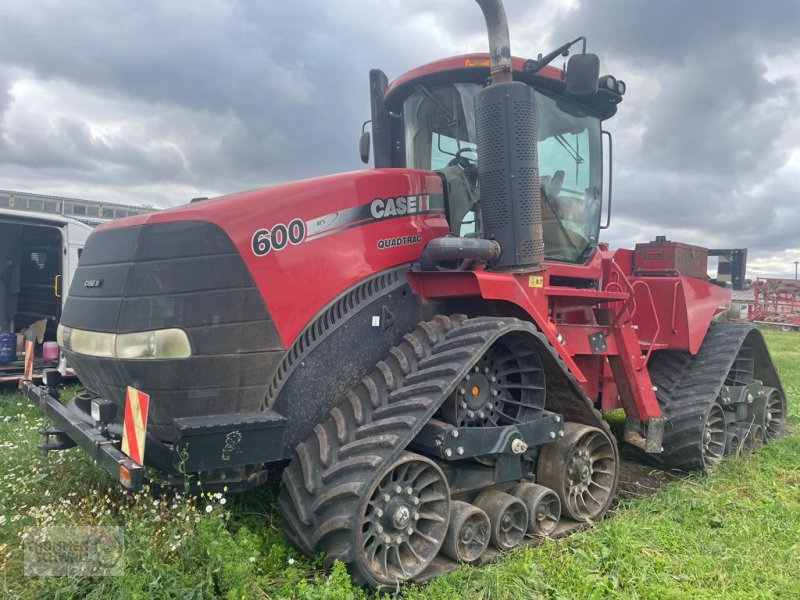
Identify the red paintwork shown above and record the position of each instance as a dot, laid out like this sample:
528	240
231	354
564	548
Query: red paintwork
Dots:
298	281
458	62
642	314
684	306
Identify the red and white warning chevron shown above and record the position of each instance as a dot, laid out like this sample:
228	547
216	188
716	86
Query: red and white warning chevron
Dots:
135	424
28	371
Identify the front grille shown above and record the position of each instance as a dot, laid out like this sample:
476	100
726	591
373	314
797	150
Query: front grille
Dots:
185	274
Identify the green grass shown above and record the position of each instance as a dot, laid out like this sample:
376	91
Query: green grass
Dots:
733	534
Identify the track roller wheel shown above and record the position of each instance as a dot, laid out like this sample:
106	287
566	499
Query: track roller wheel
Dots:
544	507
714	436
748	441
758	437
582	468
507	515
403	520
775	417
752	437
733	443
469	532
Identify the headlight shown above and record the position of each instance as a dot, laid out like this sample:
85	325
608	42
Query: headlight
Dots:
92	343
136	345
163	343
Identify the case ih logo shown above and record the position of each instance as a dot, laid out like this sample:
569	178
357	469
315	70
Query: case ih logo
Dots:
278	237
397	207
92	283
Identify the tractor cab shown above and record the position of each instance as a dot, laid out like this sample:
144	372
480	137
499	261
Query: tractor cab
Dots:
426	120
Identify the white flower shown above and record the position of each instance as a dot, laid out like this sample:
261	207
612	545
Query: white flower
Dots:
252	559
291	561
222	501
209	508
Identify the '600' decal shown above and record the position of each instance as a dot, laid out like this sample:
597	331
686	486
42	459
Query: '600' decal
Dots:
278	237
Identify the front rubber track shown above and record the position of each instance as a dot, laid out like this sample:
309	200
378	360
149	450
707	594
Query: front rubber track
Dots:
687	386
323	489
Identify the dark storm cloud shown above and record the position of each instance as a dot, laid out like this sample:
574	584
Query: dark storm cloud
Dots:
292	78
714	135
672	31
220	95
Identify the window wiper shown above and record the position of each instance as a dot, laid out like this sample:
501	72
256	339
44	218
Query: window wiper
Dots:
452	121
573	152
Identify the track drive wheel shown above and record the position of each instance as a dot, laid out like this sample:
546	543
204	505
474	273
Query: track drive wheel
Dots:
544	507
582	468
402	521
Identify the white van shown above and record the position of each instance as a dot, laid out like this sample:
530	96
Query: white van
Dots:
38	256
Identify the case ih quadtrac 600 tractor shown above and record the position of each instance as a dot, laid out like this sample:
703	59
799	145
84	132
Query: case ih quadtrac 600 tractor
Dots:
421	350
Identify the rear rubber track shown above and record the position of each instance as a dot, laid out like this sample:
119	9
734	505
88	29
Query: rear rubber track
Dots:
329	473
687	386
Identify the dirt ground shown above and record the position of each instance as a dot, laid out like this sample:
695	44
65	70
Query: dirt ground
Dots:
637	478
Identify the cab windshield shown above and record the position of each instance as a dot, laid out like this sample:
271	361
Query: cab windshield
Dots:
439	126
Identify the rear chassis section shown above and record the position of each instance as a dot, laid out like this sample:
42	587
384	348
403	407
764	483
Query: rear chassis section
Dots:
726	399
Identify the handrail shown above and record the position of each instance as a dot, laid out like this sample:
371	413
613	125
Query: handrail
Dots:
675	305
657	321
630	303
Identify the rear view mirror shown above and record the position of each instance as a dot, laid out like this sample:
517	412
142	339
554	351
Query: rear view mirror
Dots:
583	74
363	146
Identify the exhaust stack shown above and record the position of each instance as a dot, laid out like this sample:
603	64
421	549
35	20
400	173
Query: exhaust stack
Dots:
508	164
499	45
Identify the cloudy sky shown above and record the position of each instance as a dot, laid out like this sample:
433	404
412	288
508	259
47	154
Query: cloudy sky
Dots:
158	101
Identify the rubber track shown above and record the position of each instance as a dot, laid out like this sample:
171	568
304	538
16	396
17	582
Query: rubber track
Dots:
324	484
687	386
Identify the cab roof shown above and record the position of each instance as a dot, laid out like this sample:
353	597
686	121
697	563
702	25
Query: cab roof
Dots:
474	67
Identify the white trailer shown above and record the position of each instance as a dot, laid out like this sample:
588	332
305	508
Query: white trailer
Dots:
38	256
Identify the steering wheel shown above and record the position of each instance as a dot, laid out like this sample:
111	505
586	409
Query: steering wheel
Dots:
469	167
462	161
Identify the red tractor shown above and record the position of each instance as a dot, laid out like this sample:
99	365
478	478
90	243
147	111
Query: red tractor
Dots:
423	350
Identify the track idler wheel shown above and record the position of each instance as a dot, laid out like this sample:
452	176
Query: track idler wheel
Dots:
582	468
507	515
403	520
544	507
714	436
469	532
775	415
